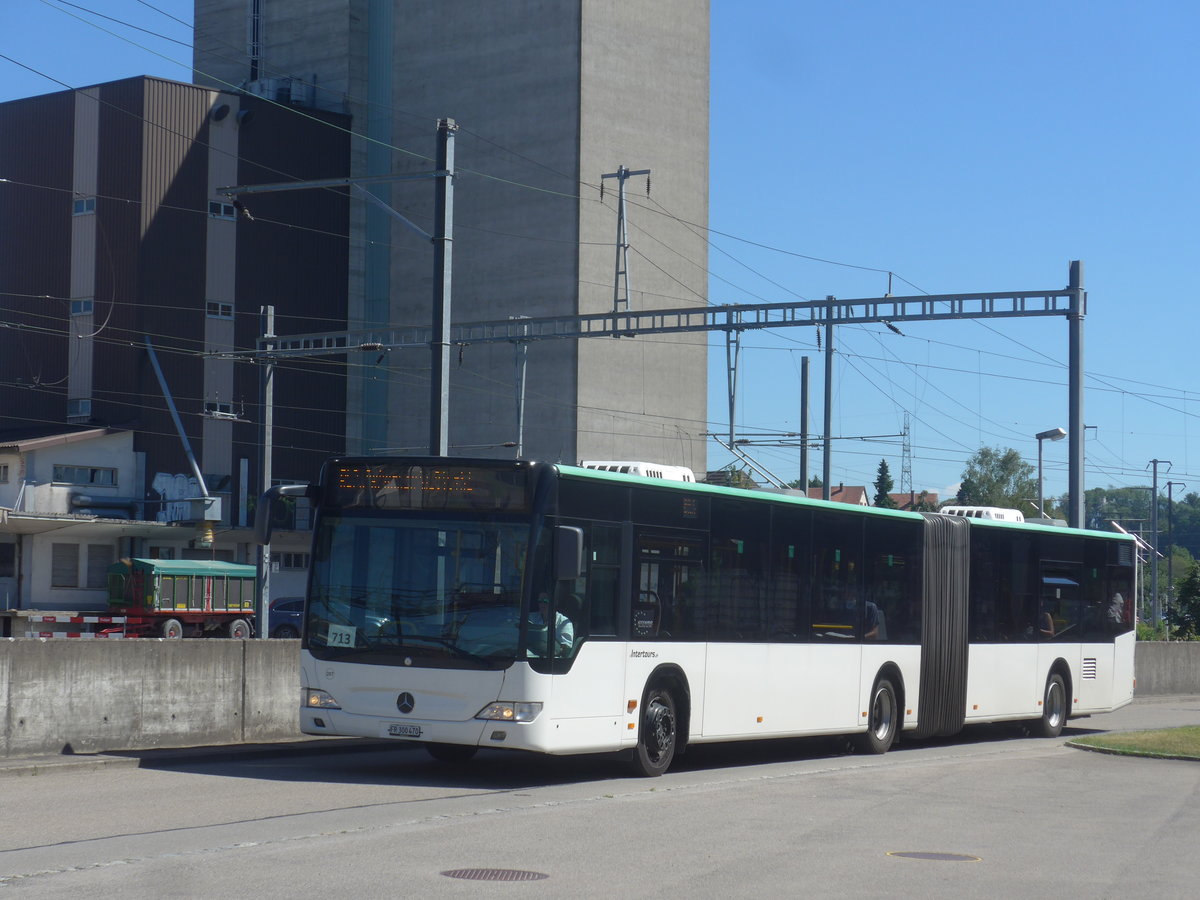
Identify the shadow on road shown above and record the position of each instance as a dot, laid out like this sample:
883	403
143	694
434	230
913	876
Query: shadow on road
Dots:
390	763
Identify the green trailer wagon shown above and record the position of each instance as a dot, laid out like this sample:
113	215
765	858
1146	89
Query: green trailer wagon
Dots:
174	598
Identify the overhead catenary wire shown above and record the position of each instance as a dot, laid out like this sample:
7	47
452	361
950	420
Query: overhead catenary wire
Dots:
877	269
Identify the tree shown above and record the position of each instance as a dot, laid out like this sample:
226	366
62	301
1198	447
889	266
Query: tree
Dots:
924	503
1184	616
995	477
883	485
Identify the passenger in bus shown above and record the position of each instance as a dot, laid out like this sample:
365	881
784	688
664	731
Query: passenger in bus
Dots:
1116	611
875	627
1045	622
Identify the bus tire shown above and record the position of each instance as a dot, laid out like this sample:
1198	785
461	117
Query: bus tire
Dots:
883	717
658	734
171	629
1054	707
451	753
238	629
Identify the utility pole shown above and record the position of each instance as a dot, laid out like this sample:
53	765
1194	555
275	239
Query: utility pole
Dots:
906	486
522	363
1075	433
733	346
621	277
804	424
267	391
1157	610
443	248
827	446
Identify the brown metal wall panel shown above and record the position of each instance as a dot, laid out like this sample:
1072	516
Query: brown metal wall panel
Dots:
294	255
115	391
35	238
151	224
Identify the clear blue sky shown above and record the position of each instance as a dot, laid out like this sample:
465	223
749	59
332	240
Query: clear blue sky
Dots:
964	147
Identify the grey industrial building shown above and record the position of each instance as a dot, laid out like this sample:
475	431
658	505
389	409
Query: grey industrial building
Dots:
548	96
114	231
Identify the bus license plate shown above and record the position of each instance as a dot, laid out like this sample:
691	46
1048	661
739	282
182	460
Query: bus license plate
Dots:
397	730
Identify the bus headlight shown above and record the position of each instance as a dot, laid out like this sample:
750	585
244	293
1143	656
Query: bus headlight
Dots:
314	699
510	712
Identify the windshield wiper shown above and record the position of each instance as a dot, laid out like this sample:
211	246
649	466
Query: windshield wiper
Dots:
450	645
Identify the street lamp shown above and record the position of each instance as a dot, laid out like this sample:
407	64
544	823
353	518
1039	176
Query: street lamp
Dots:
1054	434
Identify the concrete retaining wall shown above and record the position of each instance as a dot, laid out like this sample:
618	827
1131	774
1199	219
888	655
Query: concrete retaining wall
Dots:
92	695
95	695
1163	667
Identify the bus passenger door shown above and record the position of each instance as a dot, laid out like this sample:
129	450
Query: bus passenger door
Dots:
668	610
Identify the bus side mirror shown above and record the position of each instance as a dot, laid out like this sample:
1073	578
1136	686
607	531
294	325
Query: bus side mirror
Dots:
568	552
267	504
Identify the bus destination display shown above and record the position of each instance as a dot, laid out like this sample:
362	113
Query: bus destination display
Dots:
395	486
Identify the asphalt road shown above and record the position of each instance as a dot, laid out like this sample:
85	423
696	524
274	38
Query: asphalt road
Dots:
994	813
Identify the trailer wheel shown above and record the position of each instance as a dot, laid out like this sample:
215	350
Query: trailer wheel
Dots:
171	629
238	629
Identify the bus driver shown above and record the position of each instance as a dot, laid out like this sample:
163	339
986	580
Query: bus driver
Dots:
564	631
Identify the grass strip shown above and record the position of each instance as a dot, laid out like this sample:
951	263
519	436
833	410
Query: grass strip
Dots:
1164	743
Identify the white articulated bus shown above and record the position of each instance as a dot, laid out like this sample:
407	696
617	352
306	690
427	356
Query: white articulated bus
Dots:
481	603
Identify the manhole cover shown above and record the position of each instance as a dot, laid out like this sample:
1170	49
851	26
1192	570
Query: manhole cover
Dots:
495	875
941	857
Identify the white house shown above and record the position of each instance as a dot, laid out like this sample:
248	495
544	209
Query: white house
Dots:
69	509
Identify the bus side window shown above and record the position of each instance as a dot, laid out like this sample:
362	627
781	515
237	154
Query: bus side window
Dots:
837	577
602	565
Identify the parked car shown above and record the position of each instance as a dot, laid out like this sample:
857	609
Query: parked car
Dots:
286	617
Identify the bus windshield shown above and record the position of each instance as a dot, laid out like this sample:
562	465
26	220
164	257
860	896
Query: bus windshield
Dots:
404	591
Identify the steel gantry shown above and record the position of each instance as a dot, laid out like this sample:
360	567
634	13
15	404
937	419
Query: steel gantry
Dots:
1068	302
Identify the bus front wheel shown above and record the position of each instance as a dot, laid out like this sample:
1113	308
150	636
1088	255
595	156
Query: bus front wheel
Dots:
1054	707
657	734
882	719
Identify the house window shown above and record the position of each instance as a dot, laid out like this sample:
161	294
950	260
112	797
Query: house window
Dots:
99	558
281	560
79	408
162	553
64	565
83	206
3	473
217	310
8	560
219	210
85	475
81	307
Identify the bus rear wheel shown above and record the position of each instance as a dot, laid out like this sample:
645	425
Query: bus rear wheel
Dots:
657	734
1054	707
882	719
